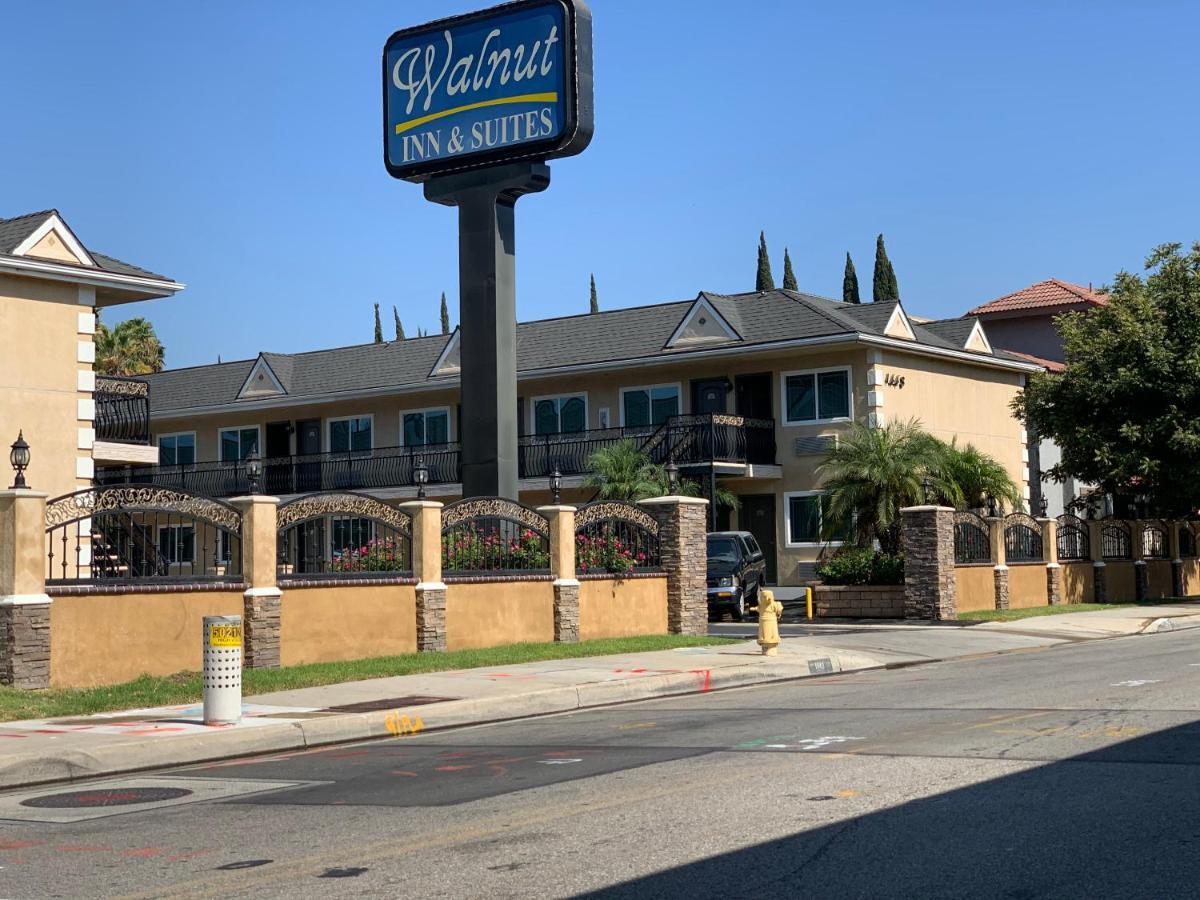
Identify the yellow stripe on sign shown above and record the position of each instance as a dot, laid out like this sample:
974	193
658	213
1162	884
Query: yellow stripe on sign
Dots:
546	97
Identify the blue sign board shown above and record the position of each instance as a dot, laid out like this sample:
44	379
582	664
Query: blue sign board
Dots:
512	82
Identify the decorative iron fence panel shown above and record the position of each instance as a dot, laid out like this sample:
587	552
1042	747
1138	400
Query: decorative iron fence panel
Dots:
1022	538
615	537
138	534
344	535
972	539
494	535
1154	541
1116	540
1074	542
122	410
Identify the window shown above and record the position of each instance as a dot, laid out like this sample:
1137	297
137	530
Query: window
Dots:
238	443
427	426
177	543
350	434
351	533
649	405
816	396
556	415
177	449
806	514
752	545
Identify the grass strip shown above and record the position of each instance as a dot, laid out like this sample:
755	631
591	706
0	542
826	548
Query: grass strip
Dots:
1009	615
185	687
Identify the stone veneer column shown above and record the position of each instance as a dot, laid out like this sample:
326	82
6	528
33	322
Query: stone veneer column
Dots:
1099	576
1054	594
927	537
24	604
1000	558
682	526
562	568
262	603
427	567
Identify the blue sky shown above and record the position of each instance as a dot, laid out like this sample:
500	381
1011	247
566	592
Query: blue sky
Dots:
236	147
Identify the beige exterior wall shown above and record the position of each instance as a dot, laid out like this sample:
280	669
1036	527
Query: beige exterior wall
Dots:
1078	582
610	608
1120	581
1191	577
330	624
43	350
491	614
111	638
975	588
1158	579
1026	585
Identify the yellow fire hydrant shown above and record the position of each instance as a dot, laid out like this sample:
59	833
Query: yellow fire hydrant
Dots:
769	611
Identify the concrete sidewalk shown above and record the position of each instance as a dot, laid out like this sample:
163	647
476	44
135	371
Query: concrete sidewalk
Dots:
33	752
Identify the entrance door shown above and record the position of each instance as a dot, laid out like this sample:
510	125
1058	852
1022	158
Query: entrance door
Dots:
708	395
308	443
757	516
277	477
753	396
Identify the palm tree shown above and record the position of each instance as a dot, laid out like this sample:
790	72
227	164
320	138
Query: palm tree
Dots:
873	473
977	476
621	471
131	348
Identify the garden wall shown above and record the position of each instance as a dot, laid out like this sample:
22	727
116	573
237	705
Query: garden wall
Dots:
493	613
1120	582
319	623
1158	579
625	607
1078	582
1026	585
976	587
862	601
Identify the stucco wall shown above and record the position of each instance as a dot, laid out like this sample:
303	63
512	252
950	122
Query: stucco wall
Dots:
975	587
39	380
1158	578
610	608
1078	583
328	624
1191	577
1026	585
1119	581
499	612
110	638
1028	334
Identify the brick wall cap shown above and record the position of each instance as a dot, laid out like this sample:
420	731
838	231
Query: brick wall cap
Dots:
431	585
24	599
558	508
22	492
420	504
926	508
252	499
673	500
263	592
566	582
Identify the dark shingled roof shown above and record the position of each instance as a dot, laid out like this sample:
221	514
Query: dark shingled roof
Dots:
610	336
955	331
14	231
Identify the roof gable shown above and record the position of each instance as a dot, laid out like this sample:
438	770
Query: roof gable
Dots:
702	324
449	361
977	340
1051	294
261	382
53	239
898	325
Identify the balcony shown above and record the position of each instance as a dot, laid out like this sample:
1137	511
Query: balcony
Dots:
122	421
730	444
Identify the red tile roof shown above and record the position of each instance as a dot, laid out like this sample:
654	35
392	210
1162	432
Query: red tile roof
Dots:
1048	294
1049	364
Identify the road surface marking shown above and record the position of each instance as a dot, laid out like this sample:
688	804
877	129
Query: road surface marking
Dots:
1134	682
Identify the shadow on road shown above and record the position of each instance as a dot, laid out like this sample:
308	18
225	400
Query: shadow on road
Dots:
1123	822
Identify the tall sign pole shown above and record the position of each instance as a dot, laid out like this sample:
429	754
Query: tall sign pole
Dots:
473	107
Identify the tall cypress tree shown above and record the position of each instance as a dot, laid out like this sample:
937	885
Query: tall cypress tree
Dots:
378	326
850	283
399	327
789	277
764	281
884	289
593	302
445	315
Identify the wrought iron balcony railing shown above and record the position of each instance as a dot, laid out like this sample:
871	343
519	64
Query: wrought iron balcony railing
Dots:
689	440
122	410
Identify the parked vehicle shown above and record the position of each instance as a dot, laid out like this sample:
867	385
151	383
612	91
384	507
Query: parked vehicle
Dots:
736	569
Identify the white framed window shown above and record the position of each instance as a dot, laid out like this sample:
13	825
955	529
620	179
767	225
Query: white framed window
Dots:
177	449
805	513
649	405
563	414
238	443
351	433
421	427
817	396
177	543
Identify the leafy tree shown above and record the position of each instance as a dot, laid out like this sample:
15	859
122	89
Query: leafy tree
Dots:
884	288
764	281
594	303
850	283
789	277
131	348
378	326
399	327
1125	412
975	477
445	315
872	474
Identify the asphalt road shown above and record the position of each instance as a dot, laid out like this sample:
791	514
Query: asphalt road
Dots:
1070	772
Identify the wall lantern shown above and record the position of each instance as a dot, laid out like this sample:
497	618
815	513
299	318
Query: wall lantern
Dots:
253	470
556	486
672	478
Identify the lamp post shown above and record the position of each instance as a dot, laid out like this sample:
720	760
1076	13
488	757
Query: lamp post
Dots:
421	476
18	456
253	470
556	486
672	477
991	502
1042	505
926	487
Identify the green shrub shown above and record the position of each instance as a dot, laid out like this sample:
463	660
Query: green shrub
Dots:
861	565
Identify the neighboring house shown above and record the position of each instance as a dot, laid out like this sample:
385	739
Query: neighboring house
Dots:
1023	324
50	288
749	389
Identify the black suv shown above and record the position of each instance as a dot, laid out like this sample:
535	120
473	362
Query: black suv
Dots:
736	569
